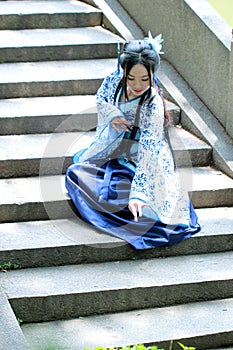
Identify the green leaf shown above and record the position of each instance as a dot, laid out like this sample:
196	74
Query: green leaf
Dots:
186	347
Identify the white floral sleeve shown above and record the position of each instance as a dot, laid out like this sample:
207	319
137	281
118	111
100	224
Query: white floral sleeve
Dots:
152	135
155	181
106	139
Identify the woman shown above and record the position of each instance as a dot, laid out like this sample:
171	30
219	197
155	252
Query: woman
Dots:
125	183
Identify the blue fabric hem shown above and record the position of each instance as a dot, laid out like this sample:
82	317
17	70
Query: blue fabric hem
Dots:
101	194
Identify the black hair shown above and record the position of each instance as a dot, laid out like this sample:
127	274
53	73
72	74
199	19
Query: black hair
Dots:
139	52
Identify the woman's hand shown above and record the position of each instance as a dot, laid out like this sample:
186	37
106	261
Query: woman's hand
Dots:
135	206
119	123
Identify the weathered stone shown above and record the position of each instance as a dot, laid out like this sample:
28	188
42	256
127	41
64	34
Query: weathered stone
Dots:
11	336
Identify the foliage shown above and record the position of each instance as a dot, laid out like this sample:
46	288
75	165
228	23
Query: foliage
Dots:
186	347
4	267
143	347
19	320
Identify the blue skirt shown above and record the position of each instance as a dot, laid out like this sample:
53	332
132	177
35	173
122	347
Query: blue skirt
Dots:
100	193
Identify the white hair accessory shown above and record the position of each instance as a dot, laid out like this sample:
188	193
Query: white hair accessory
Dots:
156	43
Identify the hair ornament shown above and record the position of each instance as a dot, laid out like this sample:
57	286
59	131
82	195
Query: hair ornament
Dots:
156	42
118	57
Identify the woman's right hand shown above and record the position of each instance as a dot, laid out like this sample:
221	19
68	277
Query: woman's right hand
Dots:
119	124
135	206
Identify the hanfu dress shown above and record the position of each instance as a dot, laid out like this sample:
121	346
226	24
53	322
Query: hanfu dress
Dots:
118	167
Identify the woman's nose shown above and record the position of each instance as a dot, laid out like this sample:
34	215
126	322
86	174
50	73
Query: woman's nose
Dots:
137	84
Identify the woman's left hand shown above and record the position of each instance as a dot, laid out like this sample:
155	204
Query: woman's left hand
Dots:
135	206
119	124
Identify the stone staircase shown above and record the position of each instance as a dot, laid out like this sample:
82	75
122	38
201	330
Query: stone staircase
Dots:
76	287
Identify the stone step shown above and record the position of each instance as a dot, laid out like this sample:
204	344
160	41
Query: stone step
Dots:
57	44
47	14
53	78
53	293
9	327
50	154
202	325
71	241
40	115
40	198
44	154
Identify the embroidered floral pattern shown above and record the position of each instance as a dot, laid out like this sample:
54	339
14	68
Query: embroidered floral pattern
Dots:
155	181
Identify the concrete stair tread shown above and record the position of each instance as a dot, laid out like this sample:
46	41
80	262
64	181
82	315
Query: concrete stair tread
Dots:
52	105
19	190
50	154
49	240
33	115
45	197
204	179
43	145
16	15
182	139
81	290
38	234
186	323
118	275
46	106
66	144
54	78
56	37
56	71
44	7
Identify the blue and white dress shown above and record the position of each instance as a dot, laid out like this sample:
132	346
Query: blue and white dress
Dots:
104	177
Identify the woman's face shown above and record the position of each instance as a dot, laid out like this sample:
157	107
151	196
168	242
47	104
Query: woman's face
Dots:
138	81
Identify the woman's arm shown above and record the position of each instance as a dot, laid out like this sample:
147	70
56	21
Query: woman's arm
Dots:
149	161
107	136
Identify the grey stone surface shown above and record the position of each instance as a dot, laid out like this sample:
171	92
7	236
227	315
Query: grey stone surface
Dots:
11	336
47	114
55	71
54	114
203	325
50	154
47	14
44	154
57	44
38	7
56	37
189	150
118	19
60	292
53	78
39	198
71	241
197	118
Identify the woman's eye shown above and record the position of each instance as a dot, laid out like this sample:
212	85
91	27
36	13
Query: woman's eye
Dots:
146	79
130	79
